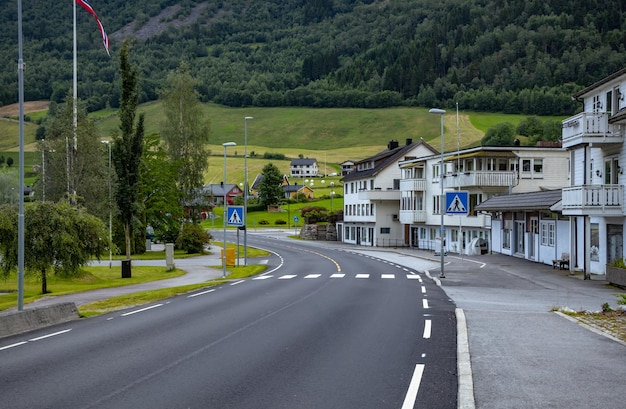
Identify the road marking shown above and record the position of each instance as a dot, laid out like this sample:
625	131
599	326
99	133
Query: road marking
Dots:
287	277
50	335
425	303
423	289
237	282
142	310
312	276
201	293
362	276
414	386
14	345
427	328
413	277
262	277
387	276
337	276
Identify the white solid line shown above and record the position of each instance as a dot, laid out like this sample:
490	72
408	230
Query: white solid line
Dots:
428	325
237	282
287	277
387	276
414	386
337	276
312	276
201	293
50	335
362	276
425	303
142	310
423	289
14	345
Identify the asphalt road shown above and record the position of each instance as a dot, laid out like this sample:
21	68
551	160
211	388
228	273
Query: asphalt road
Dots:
324	328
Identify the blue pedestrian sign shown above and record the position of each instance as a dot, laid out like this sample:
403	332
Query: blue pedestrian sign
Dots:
457	202
235	216
295	219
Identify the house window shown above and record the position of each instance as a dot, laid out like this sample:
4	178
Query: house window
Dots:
502	165
525	165
385	230
436	206
538	165
547	234
506	238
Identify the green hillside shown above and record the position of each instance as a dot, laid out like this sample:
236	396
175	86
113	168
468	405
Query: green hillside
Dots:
516	56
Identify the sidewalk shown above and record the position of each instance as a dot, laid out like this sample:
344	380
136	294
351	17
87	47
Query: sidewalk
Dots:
523	355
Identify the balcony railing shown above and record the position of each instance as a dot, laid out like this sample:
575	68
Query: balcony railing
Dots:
593	200
379	194
413	185
412	216
481	178
590	127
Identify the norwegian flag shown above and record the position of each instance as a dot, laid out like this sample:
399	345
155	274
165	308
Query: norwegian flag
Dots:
105	39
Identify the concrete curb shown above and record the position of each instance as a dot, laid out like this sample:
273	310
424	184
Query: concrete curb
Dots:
464	365
28	320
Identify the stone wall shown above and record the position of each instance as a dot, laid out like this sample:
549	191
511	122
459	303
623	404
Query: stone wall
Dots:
323	232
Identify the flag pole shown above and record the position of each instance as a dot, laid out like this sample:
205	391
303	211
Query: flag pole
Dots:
20	216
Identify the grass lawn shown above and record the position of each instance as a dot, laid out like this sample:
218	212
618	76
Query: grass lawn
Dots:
91	278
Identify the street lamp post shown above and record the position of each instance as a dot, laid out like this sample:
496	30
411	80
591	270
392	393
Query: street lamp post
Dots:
332	193
441	112
246	189
225	215
108	144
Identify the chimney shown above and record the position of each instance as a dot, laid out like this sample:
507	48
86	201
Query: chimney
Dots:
392	145
409	141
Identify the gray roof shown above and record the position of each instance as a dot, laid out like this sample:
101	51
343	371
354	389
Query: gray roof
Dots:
303	162
217	190
542	200
383	159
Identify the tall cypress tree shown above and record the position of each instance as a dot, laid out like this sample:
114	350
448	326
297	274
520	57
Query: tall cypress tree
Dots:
128	148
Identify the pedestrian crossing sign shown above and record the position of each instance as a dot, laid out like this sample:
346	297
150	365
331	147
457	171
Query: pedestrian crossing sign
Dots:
235	216
457	202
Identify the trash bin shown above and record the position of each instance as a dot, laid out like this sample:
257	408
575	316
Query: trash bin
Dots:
230	257
126	269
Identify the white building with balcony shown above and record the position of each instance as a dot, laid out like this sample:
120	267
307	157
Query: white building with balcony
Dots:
595	198
483	172
371	197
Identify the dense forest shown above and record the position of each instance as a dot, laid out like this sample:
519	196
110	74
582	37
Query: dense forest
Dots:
513	56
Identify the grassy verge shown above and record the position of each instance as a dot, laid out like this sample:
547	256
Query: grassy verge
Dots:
90	278
144	297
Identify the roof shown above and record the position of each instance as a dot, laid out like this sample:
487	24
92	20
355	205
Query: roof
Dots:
218	189
384	159
295	188
303	161
541	200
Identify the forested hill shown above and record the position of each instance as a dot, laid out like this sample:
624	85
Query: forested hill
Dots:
522	56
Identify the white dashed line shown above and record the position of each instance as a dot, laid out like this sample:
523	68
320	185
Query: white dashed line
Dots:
362	276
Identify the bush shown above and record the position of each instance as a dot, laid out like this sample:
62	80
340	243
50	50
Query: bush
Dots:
264	222
192	238
280	221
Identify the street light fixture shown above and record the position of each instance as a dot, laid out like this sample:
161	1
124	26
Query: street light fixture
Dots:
108	144
441	112
246	189
332	193
225	145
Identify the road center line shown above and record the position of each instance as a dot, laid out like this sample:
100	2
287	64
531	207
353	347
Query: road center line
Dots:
428	324
425	303
414	386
